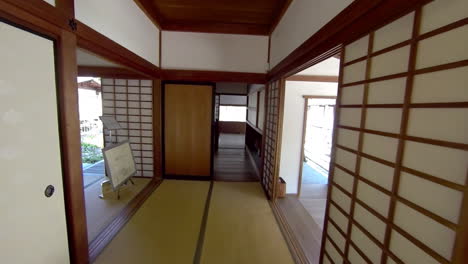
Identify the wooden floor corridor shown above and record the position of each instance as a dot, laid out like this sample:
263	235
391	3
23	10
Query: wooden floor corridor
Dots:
186	222
233	165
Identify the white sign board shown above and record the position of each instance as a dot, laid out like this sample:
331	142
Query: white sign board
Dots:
119	163
109	122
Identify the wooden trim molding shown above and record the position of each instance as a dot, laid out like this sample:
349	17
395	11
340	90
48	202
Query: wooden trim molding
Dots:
109	72
313	78
213	76
356	20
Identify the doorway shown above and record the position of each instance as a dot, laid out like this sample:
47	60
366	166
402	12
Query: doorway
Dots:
306	135
91	130
315	155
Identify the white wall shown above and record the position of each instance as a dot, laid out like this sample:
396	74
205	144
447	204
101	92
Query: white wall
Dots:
123	22
52	2
292	126
302	19
215	52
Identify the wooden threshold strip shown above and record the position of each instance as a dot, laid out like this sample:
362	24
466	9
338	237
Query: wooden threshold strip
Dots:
291	240
109	232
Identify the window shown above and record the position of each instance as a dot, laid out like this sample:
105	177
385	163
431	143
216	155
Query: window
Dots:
232	113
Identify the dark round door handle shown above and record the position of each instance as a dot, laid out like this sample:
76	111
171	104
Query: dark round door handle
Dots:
49	191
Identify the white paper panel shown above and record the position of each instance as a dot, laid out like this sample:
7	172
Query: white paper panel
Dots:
390	261
369	248
332	252
387	92
377	172
352	94
340	198
435	14
348	138
371	223
380	146
454	48
325	260
446	163
384	119
395	61
345	159
354	72
407	251
336	237
376	199
339	218
354	257
357	49
343	179
441	86
394	33
436	236
448	124
434	197
350	117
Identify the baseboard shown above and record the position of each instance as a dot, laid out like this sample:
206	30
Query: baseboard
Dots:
293	245
109	232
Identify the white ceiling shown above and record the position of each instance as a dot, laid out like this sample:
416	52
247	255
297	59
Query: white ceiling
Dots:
328	67
86	58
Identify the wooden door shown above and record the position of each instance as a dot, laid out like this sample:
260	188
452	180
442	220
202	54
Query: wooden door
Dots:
33	226
188	116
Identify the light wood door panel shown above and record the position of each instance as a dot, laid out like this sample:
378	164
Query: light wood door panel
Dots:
188	117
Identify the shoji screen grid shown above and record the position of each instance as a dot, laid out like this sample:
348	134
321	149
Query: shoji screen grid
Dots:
399	172
131	103
269	175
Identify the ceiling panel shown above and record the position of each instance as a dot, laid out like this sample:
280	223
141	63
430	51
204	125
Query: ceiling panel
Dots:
221	16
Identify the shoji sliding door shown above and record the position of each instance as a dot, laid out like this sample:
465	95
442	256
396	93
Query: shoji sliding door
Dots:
399	174
271	138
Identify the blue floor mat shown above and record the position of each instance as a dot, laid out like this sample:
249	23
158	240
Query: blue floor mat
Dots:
311	176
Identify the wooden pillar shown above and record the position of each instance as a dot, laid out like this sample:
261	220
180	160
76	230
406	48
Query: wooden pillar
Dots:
71	147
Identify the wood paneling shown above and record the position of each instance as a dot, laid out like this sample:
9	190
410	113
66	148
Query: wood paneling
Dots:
187	129
256	17
231	127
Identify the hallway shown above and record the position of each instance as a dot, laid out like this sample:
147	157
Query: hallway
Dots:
199	222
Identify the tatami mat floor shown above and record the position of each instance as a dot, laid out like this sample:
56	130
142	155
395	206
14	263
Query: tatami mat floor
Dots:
175	225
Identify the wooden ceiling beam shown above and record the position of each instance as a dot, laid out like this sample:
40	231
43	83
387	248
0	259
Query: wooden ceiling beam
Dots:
224	28
313	78
109	72
213	76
